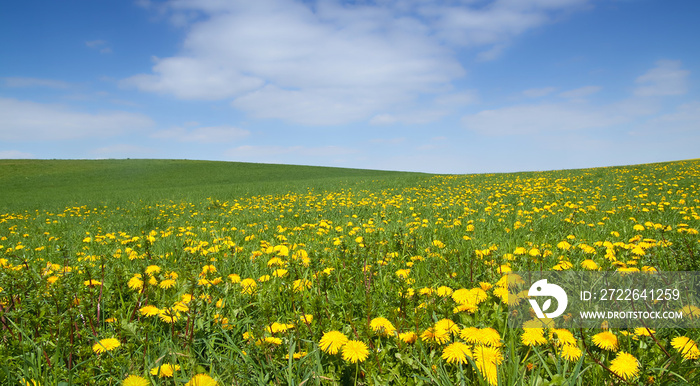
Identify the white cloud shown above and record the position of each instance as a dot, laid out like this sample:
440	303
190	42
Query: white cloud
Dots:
539	92
213	134
21	82
494	22
684	120
328	62
667	78
458	99
15	154
580	92
532	119
411	118
30	121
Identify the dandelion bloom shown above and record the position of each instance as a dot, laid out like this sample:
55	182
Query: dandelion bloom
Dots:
307	318
570	352
487	360
589	265
382	326
690	311
301	285
487	336
456	352
235	278
408	337
605	340
248	286
165	370
135	380
686	346
169	315
355	351
135	283
103	345
332	341
92	282
564	336
202	380
533	337
625	365
444	291
152	269
167	283
149	310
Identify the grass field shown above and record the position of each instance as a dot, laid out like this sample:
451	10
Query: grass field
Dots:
165	272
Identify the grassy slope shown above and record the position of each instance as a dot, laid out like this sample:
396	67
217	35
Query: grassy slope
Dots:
30	184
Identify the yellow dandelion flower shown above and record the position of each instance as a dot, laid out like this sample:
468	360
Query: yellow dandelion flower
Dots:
332	341
152	269
165	370
92	282
570	352
167	283
456	352
533	337
103	345
280	272
149	310
248	286
686	346
625	365
307	318
487	336
444	291
487	360
135	380
589	265
563	336
169	315
382	326
202	380
301	285
690	311
355	351
643	331
408	337
235	278
606	340
135	283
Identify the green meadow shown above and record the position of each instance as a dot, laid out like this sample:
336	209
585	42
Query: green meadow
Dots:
175	272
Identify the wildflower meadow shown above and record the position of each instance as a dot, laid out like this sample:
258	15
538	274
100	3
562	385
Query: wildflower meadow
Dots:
341	278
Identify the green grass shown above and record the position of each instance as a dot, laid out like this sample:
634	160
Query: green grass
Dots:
86	246
34	184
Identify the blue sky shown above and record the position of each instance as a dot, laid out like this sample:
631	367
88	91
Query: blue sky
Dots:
471	86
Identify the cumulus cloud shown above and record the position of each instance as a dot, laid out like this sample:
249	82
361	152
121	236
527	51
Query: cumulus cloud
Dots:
328	62
25	121
667	78
218	134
